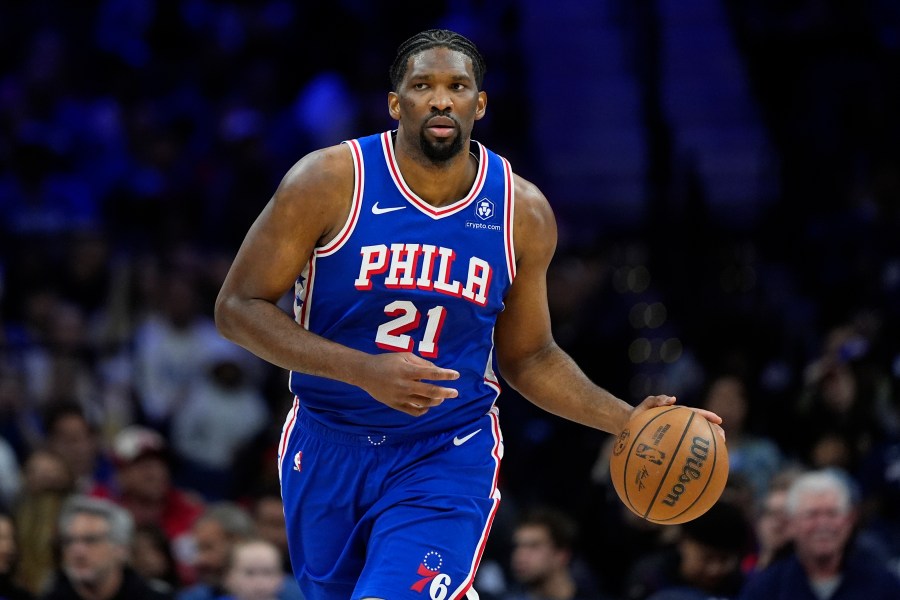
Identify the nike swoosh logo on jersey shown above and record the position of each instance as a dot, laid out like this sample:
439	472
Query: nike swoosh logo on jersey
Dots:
377	210
459	441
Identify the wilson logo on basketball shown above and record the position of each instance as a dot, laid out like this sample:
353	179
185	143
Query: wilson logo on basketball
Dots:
691	471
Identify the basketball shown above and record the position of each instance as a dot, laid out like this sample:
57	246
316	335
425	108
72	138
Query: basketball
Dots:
669	465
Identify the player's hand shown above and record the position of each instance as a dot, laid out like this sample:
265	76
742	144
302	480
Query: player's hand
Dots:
404	382
653	401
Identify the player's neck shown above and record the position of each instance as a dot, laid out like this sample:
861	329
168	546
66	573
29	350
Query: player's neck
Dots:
439	184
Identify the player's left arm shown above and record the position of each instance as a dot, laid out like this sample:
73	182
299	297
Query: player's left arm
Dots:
528	356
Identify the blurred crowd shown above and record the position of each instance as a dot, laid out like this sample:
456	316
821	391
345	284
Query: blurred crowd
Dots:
139	139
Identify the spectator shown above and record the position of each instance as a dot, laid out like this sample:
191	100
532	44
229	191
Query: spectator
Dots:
823	562
9	589
840	403
95	538
61	364
753	457
215	532
770	524
70	434
268	514
143	485
47	483
254	571
171	348
221	526
705	560
153	559
223	410
544	564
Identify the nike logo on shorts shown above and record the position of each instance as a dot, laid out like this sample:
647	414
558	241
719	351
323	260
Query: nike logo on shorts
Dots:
377	210
459	441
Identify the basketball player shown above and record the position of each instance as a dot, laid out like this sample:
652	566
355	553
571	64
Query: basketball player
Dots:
418	261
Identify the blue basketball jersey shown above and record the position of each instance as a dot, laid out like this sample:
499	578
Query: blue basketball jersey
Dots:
404	276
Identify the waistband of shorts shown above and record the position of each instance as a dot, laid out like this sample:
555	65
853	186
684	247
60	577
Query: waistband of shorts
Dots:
308	423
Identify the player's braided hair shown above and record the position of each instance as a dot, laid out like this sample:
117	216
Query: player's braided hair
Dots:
435	38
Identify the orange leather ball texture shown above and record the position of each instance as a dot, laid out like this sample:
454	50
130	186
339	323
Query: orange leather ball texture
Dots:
669	465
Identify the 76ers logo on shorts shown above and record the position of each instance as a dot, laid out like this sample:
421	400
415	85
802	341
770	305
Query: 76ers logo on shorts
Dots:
430	575
484	209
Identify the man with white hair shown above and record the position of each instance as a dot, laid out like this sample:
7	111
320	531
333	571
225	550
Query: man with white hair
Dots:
95	538
823	564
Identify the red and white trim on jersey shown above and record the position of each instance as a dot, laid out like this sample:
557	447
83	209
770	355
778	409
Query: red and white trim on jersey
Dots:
490	378
510	200
463	590
286	430
359	183
415	200
305	289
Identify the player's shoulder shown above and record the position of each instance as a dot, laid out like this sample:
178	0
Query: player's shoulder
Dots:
532	207
318	188
323	169
534	224
528	192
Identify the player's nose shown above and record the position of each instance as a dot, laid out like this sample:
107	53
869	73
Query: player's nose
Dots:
441	100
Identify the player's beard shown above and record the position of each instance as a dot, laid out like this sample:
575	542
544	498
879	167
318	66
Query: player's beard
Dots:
441	151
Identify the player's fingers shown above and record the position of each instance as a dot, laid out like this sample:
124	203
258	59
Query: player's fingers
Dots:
718	429
416	409
434	373
434	392
425	369
661	400
709	416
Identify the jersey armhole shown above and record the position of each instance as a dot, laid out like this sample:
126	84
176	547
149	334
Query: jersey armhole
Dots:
358	184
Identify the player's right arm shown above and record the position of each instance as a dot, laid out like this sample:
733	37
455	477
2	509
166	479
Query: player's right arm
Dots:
307	210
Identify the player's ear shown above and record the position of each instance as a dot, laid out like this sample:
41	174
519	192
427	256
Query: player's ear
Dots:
394	105
482	105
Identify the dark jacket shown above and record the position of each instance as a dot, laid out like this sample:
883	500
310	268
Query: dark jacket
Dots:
134	587
10	591
862	579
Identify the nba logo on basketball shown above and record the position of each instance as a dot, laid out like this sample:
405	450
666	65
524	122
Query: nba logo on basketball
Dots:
650	453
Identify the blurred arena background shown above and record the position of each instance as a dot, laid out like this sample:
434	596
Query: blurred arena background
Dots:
726	174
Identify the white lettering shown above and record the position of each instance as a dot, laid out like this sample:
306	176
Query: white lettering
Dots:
424	267
374	261
443	283
480	279
424	282
403	266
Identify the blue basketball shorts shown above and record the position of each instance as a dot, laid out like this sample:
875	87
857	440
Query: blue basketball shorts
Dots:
369	516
